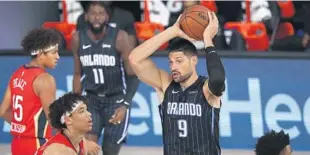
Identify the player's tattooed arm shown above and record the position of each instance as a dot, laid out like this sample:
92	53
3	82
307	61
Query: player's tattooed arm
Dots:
5	110
45	87
124	46
77	64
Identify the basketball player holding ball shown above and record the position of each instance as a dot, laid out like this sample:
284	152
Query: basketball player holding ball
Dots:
190	104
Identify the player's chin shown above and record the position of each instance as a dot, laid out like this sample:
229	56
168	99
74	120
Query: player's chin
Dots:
89	129
52	66
90	124
176	79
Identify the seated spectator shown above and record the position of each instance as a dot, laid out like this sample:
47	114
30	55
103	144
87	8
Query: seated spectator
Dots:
301	40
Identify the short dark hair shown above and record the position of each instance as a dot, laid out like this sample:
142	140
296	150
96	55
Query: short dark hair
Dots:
103	4
272	143
40	38
183	45
62	105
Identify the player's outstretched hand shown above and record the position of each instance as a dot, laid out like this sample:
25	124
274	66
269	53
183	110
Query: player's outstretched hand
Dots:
92	148
118	115
212	28
179	32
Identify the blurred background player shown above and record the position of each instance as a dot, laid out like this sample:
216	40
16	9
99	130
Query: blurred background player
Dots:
191	103
122	18
69	115
30	91
100	58
273	143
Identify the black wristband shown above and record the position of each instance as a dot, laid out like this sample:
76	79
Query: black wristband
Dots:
210	49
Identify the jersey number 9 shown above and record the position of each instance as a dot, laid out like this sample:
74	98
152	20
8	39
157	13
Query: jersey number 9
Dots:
182	125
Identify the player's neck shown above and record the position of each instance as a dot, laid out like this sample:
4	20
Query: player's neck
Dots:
97	36
189	81
75	137
35	63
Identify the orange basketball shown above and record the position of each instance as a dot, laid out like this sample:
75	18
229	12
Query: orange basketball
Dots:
194	21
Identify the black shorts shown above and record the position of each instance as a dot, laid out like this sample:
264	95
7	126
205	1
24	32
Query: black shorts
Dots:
101	113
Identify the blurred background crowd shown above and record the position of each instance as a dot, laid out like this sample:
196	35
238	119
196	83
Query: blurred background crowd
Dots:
258	25
251	26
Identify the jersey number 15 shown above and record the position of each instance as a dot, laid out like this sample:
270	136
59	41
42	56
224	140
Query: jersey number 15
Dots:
18	108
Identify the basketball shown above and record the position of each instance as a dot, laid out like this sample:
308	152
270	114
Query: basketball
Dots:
194	21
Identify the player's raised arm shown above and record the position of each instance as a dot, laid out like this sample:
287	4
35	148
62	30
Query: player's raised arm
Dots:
142	64
216	83
77	64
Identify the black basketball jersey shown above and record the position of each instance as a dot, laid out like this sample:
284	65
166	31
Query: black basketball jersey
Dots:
101	64
190	124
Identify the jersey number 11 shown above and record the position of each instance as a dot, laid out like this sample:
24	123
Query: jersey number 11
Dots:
98	75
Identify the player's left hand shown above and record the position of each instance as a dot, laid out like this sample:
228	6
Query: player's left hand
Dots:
118	115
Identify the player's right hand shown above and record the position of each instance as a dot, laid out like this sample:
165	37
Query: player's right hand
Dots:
92	148
212	28
179	32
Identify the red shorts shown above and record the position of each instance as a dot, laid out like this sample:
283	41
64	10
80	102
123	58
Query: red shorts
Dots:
26	145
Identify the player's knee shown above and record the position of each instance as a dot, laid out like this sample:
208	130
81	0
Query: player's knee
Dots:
109	148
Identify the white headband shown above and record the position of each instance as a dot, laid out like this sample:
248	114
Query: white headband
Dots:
35	52
75	106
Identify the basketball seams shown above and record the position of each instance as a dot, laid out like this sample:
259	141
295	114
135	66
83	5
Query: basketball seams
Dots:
195	20
189	28
194	11
191	17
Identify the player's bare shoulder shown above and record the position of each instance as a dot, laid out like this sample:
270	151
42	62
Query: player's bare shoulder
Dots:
213	100
122	42
75	36
57	149
44	81
121	35
75	42
44	78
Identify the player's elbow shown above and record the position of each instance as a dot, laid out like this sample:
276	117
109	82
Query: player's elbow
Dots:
217	85
133	59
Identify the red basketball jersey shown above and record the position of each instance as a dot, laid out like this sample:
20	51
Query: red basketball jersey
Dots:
28	117
60	138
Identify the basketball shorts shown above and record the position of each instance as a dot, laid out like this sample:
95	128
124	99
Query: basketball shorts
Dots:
101	112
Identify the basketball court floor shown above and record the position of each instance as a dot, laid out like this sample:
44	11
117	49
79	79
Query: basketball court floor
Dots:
5	150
